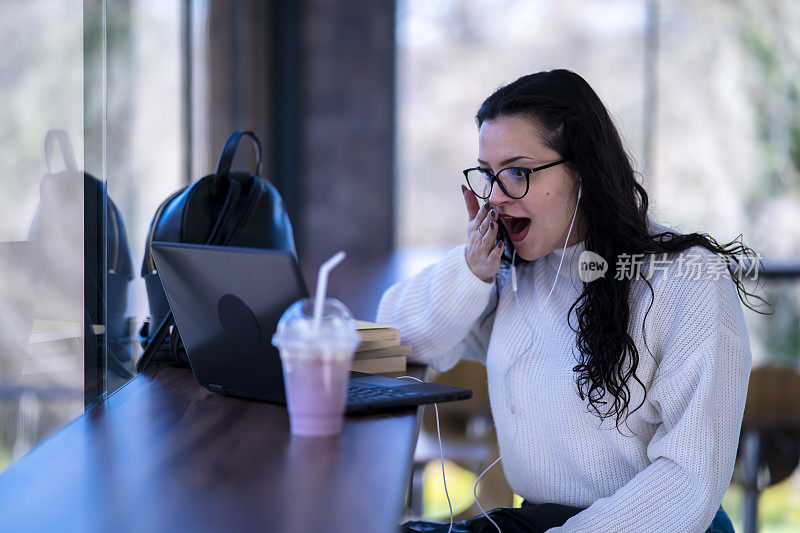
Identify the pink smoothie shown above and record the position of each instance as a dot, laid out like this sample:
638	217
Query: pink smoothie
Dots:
316	391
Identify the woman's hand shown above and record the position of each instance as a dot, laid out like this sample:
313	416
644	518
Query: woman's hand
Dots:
483	257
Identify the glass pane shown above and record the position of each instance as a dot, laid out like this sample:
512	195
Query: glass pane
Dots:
145	147
41	221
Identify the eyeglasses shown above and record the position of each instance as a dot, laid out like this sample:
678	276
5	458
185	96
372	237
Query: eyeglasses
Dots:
513	181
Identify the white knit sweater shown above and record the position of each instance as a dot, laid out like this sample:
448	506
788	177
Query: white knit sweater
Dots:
672	464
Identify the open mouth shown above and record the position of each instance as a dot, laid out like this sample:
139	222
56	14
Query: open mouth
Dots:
517	227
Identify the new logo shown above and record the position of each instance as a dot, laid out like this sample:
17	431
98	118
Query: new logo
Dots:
591	266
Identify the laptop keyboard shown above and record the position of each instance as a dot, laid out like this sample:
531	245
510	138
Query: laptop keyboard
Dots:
368	393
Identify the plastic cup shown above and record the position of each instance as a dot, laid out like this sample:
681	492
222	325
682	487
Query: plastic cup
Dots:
316	365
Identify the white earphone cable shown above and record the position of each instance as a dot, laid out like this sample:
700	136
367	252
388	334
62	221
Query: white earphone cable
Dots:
530	327
441	452
436	409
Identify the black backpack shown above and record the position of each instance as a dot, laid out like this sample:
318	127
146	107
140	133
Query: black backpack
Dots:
228	208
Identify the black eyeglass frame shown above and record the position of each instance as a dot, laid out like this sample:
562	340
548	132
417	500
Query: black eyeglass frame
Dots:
493	178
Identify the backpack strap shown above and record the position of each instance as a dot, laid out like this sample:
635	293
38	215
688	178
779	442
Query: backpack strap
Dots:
163	329
234	191
215	237
228	153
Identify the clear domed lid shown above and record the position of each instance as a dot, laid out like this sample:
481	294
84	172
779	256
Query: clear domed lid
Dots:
337	328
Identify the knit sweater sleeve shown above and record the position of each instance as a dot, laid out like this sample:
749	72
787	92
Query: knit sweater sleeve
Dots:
699	390
445	312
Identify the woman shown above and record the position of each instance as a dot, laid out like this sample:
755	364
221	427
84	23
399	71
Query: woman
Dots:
618	395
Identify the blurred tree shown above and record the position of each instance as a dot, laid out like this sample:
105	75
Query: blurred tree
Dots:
768	32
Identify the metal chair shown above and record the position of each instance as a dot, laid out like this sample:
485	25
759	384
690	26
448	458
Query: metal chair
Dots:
769	445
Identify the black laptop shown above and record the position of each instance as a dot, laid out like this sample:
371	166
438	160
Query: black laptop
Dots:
227	302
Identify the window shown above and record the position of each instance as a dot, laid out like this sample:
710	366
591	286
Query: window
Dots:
100	89
41	221
705	96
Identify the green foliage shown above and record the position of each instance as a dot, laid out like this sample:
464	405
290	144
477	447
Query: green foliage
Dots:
778	507
766	37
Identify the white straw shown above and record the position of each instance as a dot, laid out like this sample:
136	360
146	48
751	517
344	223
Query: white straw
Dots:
322	286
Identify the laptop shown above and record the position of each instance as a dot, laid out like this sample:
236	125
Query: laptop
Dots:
227	302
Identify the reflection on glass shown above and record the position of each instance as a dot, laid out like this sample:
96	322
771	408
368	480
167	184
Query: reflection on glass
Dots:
41	293
59	223
20	268
41	222
144	162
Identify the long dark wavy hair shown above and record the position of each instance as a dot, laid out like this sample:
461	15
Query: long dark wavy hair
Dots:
574	122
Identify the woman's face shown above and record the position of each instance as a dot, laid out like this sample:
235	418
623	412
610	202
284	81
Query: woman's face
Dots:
538	222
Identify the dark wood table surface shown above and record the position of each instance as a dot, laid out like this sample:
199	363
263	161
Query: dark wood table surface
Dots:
164	454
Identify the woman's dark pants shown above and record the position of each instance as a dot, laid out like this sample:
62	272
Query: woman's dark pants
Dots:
530	518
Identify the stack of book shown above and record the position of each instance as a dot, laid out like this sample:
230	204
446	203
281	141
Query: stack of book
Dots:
380	350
